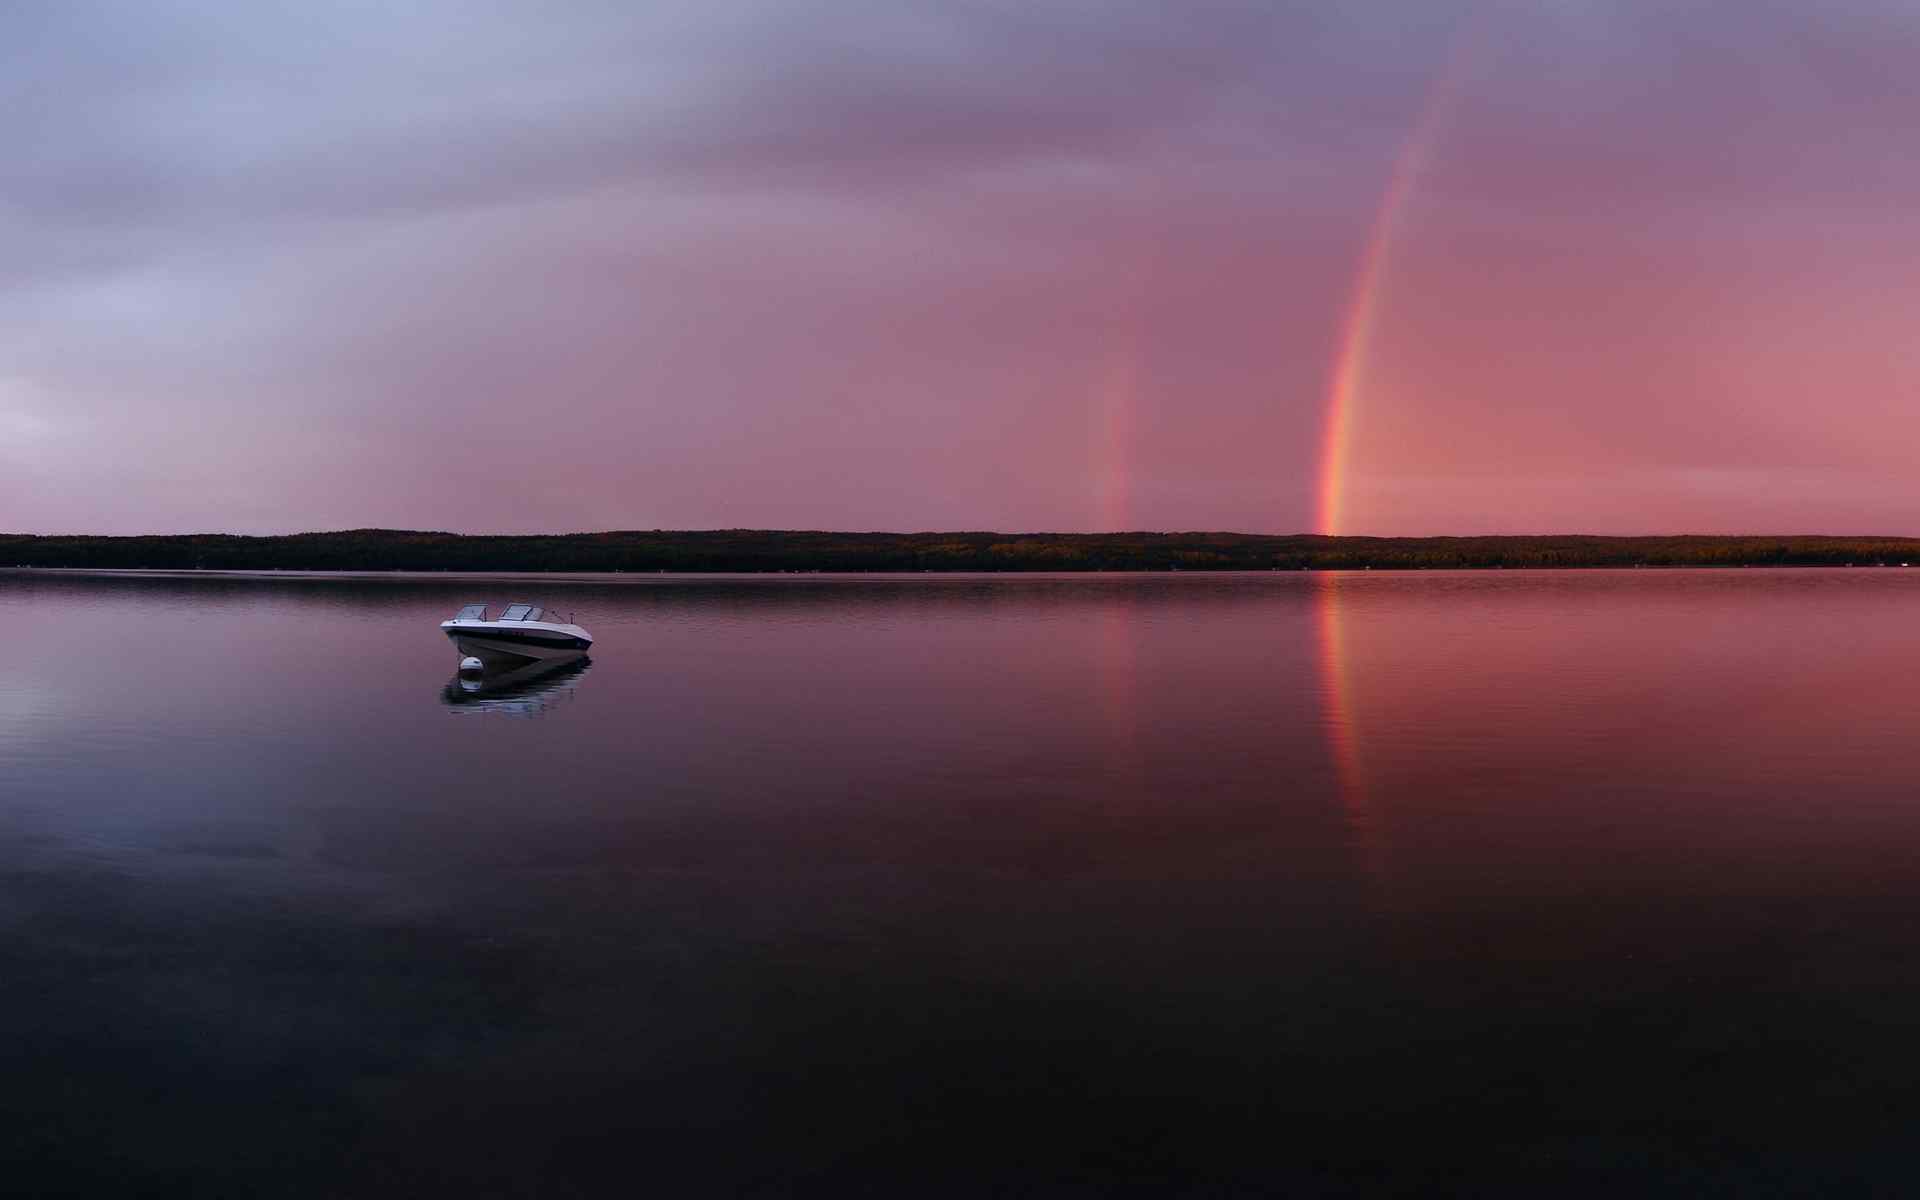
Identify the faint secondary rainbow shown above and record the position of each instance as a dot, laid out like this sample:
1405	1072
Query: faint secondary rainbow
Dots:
1364	298
1119	396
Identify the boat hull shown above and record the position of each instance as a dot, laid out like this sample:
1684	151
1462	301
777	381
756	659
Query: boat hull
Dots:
506	648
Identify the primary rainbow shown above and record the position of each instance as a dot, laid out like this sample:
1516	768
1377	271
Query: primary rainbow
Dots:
1363	304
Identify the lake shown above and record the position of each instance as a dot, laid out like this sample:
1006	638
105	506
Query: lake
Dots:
1178	884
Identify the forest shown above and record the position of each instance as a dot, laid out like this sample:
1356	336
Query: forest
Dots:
759	550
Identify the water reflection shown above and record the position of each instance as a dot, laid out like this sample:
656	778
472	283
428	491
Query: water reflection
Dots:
1341	714
529	691
1618	866
1117	670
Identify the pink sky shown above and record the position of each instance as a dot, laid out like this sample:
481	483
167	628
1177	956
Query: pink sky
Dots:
865	265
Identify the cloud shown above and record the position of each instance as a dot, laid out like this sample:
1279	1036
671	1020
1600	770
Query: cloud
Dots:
860	263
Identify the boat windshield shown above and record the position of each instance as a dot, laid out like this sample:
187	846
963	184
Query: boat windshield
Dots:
472	612
517	612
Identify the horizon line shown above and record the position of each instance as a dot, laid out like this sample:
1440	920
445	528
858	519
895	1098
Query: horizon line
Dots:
1033	533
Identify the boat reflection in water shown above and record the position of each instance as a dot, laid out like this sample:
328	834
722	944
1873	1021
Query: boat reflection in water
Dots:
528	691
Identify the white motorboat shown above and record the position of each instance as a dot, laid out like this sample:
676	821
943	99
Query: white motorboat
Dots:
522	633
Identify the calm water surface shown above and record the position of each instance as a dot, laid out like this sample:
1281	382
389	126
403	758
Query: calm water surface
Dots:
1590	882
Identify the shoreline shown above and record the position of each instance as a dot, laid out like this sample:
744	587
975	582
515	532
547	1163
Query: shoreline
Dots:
790	552
638	577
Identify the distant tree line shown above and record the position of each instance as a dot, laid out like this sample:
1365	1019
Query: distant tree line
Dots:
800	550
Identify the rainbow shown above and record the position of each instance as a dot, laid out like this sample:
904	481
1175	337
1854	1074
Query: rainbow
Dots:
1119	395
1362	314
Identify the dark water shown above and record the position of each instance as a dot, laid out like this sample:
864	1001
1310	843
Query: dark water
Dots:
1597	883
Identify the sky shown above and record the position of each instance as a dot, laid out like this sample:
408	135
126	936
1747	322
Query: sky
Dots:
1445	266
